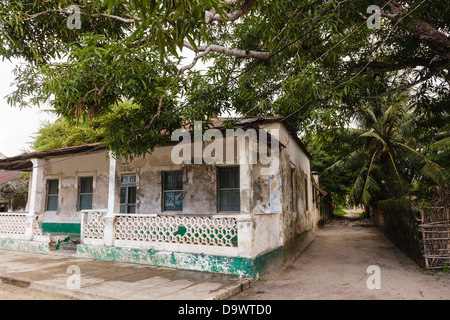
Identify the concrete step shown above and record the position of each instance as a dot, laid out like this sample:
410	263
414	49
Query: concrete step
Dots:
68	246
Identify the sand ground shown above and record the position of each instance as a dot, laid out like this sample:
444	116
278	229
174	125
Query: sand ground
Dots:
335	266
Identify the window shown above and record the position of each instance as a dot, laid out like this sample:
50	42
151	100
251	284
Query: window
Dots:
86	191
173	191
229	191
128	193
292	188
306	195
52	195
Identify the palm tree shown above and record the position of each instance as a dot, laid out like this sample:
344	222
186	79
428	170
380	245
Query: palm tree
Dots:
386	162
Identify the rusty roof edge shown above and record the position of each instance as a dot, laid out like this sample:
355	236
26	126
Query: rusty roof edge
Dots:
54	152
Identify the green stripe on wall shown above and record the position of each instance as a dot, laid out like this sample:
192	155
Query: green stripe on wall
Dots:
62	227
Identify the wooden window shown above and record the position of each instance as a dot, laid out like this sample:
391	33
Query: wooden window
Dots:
306	195
293	189
128	193
52	194
229	191
173	191
86	191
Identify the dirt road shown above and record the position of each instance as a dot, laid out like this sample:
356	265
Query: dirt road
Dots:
335	267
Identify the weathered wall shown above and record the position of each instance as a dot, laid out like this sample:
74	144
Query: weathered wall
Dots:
397	220
299	219
278	209
68	170
200	194
274	226
199	185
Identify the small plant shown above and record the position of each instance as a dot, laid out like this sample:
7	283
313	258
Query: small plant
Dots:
364	215
431	272
446	268
59	242
262	279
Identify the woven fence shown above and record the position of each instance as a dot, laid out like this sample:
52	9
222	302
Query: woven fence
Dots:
435	228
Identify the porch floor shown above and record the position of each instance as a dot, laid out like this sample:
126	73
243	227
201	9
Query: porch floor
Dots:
111	280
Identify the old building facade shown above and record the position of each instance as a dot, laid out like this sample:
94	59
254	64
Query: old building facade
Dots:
235	217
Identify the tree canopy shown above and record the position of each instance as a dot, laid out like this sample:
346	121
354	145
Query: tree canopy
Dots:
312	61
319	63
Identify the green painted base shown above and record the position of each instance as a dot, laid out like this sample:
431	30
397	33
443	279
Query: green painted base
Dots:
241	266
24	246
61	227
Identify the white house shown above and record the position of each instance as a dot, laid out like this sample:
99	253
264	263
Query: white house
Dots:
235	216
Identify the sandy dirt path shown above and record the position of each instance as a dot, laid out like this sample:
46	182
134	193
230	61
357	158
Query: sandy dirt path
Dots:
335	266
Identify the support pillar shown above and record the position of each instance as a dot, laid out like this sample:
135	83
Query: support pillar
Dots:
37	191
113	198
37	196
246	158
246	236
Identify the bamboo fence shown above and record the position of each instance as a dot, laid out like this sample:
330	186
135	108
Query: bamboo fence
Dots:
435	228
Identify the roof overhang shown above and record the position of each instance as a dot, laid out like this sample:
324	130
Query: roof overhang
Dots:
23	162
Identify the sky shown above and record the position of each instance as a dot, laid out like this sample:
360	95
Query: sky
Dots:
17	126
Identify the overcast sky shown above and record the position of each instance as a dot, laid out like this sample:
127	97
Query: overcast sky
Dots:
16	125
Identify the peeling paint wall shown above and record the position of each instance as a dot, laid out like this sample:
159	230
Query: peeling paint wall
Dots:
199	183
68	170
275	204
298	214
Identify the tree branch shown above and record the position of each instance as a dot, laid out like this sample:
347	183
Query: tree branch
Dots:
92	15
377	67
236	14
190	66
436	40
239	53
406	86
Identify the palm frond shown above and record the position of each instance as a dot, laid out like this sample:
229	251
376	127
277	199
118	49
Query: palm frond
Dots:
366	117
361	192
353	159
427	168
376	136
358	186
397	173
441	144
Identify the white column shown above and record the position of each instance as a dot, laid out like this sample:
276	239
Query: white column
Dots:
246	236
37	195
37	191
113	198
245	182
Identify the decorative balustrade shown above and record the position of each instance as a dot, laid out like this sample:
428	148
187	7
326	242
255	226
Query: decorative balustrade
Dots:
170	229
220	232
13	223
94	228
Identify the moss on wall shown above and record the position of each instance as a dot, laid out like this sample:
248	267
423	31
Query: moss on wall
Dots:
397	219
